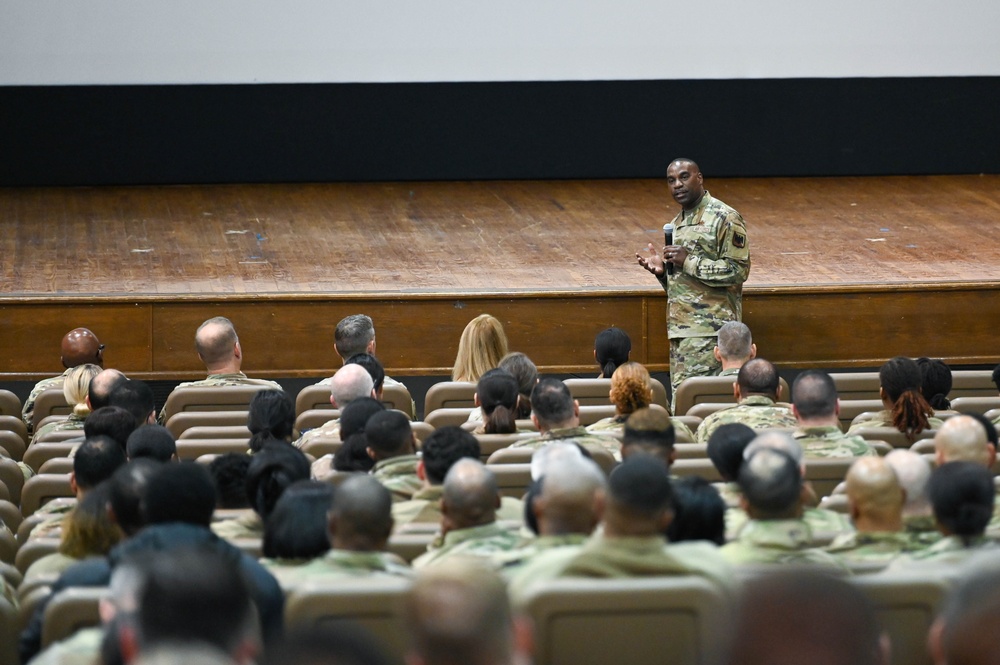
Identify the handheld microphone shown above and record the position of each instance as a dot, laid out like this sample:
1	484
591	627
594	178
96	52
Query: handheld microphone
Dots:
668	239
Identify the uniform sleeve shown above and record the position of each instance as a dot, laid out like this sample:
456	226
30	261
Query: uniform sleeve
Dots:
731	263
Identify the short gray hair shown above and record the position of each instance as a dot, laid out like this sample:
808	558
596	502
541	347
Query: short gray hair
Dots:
353	335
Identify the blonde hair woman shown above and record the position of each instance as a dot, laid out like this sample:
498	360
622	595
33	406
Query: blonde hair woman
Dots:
482	346
75	388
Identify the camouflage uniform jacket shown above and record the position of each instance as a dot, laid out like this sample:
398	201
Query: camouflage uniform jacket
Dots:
707	290
478	541
617	424
884	419
776	541
831	442
756	411
950	550
247	525
576	434
230	379
81	648
73	423
530	548
730	493
399	476
28	410
732	371
922	529
880	547
53	512
425	508
821	522
328	430
336	564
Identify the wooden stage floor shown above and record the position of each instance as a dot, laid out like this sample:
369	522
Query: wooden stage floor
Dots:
902	258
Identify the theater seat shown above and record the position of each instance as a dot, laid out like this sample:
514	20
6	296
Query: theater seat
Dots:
192	449
972	383
13	444
13	478
216	432
33	550
450	395
976	404
10	405
40	489
40	453
602	457
50	402
69	611
715	389
448	417
639	621
397	397
891	435
312	397
512	479
202	398
906	604
9	633
596	392
490	443
857	385
181	422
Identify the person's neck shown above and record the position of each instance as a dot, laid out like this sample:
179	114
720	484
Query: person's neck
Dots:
621	526
825	421
876	524
232	367
732	364
349	543
569	424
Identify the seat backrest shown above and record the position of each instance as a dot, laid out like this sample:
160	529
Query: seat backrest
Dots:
856	385
640	621
976	404
216	432
372	602
446	417
852	408
591	414
57	465
192	449
313	418
312	397
11	515
322	446
33	550
691	450
906	605
923	447
15	424
705	409
13	444
59	436
180	422
512	479
993	414
50	402
396	396
449	395
39	489
490	443
12	476
594	392
702	467
421	430
972	383
8	547
825	473
716	389
408	546
210	398
891	435
10	631
69	611
40	453
10	405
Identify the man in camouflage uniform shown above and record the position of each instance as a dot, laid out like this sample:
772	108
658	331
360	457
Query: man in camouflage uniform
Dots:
469	506
771	482
816	407
350	383
392	444
649	432
219	348
913	473
735	347
758	389
964	439
710	260
556	414
79	347
876	507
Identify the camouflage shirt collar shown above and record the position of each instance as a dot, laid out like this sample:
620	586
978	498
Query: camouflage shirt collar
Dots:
403	465
824	432
780	534
430	493
706	198
565	433
472	533
757	400
357	560
222	377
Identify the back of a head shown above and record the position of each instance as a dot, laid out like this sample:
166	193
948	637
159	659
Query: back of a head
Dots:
726	448
356	414
935	382
962	438
962	496
273	468
497	391
699	512
735	341
482	345
771	482
351	382
759	377
80	346
630	389
136	397
112	421
991	429
371	365
649	431
471	494
153	441
88	529
389	434
361	513
805	616
775	440
525	371
76	386
459	614
101	387
215	341
568	494
271	417
353	335
612	348
195	595
913	473
551	402
128	490
901	383
443	448
353	454
640	486
96	460
296	528
874	490
814	395
554	455
995	377
181	492
968	618
229	475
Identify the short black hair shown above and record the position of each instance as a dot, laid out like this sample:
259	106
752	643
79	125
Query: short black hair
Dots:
758	377
642	485
649	428
181	492
271	417
229	473
135	397
128	488
154	441
389	433
991	429
96	460
814	394
274	468
962	496
699	512
771	482
353	455
726	446
355	415
112	421
296	528
373	367
443	448
551	402
935	382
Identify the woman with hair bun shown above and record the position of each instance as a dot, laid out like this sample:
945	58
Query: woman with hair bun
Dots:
935	384
905	406
75	389
496	396
611	350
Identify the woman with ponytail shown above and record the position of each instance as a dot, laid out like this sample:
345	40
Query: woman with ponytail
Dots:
611	349
496	397
905	406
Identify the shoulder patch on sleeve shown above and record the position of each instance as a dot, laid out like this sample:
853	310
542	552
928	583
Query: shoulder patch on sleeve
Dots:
739	240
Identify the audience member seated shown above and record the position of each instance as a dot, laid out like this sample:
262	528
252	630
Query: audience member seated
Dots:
350	383
273	469
153	441
935	385
638	511
649	432
757	391
905	406
354	335
79	347
101	387
439	453
219	348
966	439
630	391
77	381
817	410
469	504
351	426
482	345
734	348
113	422
296	530
270	419
771	482
726	447
611	350
875	500
496	401
375	370
556	415
913	472
521	367
392	445
699	512
137	398
964	630
229	475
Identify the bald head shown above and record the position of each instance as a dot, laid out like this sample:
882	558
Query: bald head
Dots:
350	383
217	344
571	498
758	377
912	471
553	455
875	496
772	485
773	440
963	439
471	496
79	347
101	386
360	519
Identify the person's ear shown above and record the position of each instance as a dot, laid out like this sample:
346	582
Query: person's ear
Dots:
935	642
795	412
665	519
237	350
600	504
333	401
371	453
777	394
475	400
736	391
421	471
991	455
836	407
753	352
73	487
717	354
576	408
534	419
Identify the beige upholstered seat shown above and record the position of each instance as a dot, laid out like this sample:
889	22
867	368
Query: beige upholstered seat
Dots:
891	435
13	444
702	467
42	488
13	478
512	479
445	417
69	611
504	456
215	432
856	385
397	397
9	633
449	395
715	389
490	443
852	408
58	436
8	547
10	405
33	550
10	514
972	383
906	604
192	449
691	450
312	397
16	425
57	465
825	473
976	404
209	398
181	422
596	392
50	402
39	453
408	546
322	446
639	621
313	418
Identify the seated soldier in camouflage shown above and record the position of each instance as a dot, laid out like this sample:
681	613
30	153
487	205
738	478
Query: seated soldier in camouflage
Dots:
649	432
964	438
776	533
392	444
725	448
352	421
965	628
817	409
469	507
913	472
556	414
74	387
876	507
354	336
79	347
438	454
735	347
350	383
757	391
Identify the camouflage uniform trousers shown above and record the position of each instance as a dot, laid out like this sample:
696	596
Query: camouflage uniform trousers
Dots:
691	356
